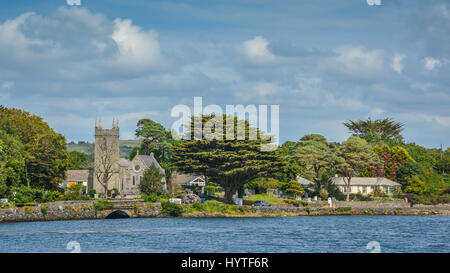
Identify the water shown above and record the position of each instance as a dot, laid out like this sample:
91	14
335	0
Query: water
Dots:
284	234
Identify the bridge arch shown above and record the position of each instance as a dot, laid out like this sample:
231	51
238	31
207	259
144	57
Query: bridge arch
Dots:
117	214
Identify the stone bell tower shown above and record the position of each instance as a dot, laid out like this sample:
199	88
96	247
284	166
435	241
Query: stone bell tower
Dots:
106	157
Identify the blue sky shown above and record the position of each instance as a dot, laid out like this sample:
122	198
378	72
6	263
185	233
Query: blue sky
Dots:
323	61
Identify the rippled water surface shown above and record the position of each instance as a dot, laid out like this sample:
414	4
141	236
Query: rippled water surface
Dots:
285	234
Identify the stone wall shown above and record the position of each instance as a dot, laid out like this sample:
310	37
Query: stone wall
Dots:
79	210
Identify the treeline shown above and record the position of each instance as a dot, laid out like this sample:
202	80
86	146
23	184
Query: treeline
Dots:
33	156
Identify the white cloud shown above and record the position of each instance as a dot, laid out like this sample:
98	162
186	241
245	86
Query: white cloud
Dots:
397	62
7	85
257	52
137	48
357	61
431	63
421	86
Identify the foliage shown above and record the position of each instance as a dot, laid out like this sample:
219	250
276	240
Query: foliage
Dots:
323	194
354	155
414	185
191	198
152	181
262	184
171	209
230	163
291	166
157	140
265	197
102	205
26	194
294	188
314	153
383	127
92	192
79	161
343	209
45	152
210	190
392	159
44	209
152	197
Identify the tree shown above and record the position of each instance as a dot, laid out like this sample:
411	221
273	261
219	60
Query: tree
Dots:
291	167
45	152
354	155
79	161
152	181
294	188
392	159
314	153
414	185
231	163
156	140
105	166
383	127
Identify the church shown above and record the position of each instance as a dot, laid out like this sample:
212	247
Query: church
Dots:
121	173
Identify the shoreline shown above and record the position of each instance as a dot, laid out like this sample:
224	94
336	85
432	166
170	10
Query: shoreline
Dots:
85	210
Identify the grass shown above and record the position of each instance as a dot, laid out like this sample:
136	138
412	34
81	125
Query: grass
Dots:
265	197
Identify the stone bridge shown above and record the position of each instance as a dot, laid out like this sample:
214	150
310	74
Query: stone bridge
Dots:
129	209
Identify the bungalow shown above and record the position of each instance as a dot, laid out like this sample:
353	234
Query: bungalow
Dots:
366	185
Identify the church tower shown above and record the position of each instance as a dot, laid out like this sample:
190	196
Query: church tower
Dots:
106	157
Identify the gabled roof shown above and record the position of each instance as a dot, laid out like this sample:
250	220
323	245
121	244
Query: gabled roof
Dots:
77	175
304	181
366	181
123	162
148	160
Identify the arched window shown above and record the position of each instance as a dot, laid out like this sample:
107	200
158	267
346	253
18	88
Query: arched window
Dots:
134	180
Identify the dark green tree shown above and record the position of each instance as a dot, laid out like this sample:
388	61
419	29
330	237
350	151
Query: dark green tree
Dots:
385	128
230	162
151	181
79	161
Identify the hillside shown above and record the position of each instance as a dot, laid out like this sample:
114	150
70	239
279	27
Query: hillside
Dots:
87	147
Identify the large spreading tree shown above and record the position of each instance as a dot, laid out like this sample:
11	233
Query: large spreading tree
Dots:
314	153
230	162
354	155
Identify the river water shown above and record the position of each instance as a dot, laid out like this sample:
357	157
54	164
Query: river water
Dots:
360	234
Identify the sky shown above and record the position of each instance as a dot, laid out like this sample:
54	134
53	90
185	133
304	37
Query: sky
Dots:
323	62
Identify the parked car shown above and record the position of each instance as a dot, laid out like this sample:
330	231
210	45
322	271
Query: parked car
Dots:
261	203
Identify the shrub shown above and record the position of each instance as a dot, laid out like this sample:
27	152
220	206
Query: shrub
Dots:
308	209
323	193
44	209
171	209
102	204
152	198
191	198
92	192
343	209
210	190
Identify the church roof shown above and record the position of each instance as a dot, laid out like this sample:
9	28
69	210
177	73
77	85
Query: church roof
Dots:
148	160
123	162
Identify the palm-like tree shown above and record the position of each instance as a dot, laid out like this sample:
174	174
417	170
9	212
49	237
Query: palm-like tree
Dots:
384	127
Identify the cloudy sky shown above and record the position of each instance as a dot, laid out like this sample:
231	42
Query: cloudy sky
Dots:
323	62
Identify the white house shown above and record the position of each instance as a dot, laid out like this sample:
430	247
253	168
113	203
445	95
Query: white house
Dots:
366	185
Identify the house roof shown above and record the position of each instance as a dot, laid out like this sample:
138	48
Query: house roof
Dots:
148	160
304	181
77	175
123	162
366	181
